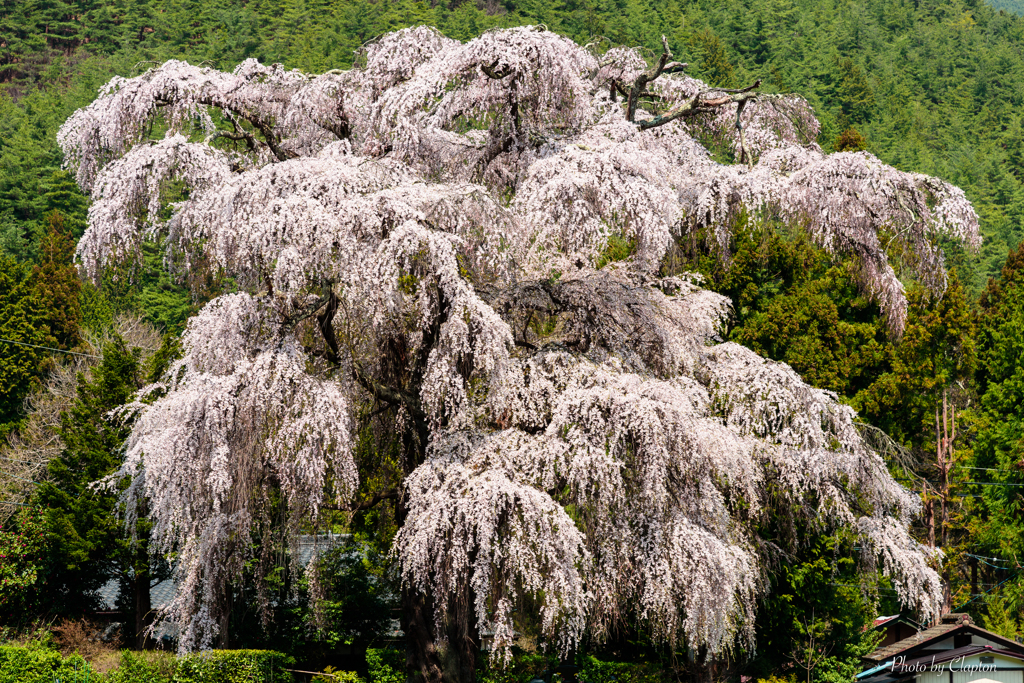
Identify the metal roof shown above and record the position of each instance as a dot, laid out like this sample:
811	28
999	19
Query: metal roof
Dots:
160	594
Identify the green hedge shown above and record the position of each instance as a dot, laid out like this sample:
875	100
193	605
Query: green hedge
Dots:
135	667
596	671
38	664
234	666
525	666
35	664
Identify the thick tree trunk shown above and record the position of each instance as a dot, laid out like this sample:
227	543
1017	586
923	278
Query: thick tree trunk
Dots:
422	658
431	657
224	634
463	644
142	604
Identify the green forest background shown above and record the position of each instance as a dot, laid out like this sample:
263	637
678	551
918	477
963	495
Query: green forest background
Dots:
932	86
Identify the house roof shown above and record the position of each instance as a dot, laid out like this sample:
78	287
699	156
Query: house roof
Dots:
950	625
161	593
966	651
902	618
887	673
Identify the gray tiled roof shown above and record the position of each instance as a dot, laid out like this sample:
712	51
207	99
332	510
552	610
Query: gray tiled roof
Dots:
159	594
884	653
163	592
938	632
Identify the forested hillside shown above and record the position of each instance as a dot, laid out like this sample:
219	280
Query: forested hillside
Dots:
929	86
934	87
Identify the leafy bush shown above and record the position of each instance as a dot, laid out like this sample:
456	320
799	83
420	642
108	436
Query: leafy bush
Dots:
354	607
234	666
21	553
35	664
143	667
385	666
596	671
337	676
524	667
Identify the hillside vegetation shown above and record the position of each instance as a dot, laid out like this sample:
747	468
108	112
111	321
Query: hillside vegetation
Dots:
929	86
932	86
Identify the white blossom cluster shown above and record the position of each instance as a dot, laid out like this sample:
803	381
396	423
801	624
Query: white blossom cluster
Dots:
240	413
424	233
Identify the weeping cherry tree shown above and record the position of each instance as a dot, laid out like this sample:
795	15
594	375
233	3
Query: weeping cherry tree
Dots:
419	245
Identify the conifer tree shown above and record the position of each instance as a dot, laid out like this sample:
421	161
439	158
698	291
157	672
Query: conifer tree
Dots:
56	284
24	333
86	540
1000	444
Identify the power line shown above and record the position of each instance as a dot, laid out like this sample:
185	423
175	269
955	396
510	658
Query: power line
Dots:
31	462
987	563
981	595
957	483
982	557
50	348
8	474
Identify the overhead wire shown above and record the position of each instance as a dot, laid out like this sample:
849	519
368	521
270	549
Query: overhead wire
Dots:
50	348
980	595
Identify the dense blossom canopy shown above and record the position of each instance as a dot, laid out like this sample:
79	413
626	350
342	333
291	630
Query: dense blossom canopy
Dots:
428	232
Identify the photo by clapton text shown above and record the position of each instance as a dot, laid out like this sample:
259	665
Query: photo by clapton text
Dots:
957	664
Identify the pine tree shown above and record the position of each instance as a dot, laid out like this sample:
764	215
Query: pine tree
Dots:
56	284
1000	438
23	332
86	540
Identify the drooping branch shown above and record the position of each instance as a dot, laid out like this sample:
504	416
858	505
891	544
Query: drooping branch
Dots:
342	126
745	156
240	134
389	395
696	105
271	138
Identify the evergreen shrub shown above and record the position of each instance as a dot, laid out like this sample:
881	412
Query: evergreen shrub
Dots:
234	666
385	665
37	664
136	667
596	671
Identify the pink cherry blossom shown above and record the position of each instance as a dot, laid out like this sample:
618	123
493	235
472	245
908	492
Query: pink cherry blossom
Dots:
420	235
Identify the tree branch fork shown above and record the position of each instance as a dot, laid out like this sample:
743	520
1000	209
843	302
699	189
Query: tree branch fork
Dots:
698	104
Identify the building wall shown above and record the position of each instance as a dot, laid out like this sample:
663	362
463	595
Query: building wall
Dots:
997	676
1008	670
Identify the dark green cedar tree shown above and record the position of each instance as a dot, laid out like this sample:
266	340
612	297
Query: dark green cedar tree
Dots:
87	542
